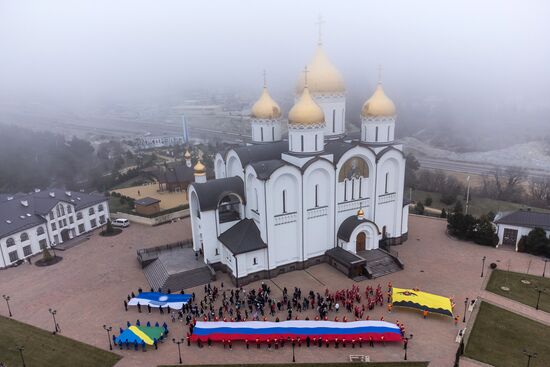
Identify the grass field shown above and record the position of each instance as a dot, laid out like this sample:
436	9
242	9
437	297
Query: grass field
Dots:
373	364
44	349
524	293
499	338
477	207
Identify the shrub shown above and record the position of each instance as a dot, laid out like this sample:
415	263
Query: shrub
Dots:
448	198
458	207
419	208
493	266
428	201
443	213
46	255
537	243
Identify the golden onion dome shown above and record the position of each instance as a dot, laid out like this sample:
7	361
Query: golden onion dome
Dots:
306	111
266	107
187	155
322	76
378	104
199	168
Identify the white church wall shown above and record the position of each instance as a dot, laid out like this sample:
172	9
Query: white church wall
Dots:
255	201
233	166
405	220
219	166
318	211
306	140
264	130
194	214
349	207
210	235
334	108
227	259
389	201
284	221
377	130
252	262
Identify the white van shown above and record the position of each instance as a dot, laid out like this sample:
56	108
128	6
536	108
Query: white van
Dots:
121	222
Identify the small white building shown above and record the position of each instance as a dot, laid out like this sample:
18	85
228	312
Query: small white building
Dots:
512	226
32	222
278	205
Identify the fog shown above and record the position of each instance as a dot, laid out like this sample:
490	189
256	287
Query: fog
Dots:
477	56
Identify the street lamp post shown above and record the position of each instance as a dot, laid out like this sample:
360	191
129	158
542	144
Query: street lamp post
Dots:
406	345
467	195
539	290
483	265
544	271
20	348
178	342
53	249
465	309
56	326
529	356
7	299
108	330
293	355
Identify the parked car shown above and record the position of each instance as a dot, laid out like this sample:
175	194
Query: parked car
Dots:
121	222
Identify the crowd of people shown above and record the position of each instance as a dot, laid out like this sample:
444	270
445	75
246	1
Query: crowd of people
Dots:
261	304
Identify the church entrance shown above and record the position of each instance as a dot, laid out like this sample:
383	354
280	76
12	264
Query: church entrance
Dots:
360	242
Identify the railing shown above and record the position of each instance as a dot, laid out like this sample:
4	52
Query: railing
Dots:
149	254
387	198
285	218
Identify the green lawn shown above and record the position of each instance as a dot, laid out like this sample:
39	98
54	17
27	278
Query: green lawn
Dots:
499	338
477	207
373	364
524	293
44	349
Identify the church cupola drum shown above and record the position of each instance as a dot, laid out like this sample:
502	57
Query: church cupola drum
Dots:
378	118
265	119
306	124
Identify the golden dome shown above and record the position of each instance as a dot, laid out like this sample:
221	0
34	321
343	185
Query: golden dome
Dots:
360	213
322	76
378	104
306	111
266	107
199	169
187	155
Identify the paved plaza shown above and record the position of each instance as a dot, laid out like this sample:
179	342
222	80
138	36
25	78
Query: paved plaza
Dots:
88	288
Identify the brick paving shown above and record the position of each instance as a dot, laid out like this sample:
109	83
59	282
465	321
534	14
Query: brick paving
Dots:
88	287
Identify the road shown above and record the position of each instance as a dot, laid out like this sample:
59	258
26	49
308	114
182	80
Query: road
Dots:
471	168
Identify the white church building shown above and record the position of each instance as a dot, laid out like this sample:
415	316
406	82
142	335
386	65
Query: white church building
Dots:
277	204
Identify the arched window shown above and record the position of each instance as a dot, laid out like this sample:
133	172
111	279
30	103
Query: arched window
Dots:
10	242
69	209
229	208
284	201
376	134
24	237
62	209
40	231
302	142
316	196
100	208
261	134
91	211
78	215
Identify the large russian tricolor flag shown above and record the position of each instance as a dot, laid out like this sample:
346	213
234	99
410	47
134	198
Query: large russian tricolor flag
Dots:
266	330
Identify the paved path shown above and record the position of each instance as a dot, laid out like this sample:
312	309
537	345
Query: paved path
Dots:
88	287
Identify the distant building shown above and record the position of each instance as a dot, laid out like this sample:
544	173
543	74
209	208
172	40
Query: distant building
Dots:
32	222
514	225
150	141
147	206
175	176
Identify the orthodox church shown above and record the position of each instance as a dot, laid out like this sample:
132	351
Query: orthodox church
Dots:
321	195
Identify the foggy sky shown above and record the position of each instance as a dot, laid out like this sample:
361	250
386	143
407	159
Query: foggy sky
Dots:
471	52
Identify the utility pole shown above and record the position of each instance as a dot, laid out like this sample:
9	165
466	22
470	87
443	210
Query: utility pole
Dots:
467	195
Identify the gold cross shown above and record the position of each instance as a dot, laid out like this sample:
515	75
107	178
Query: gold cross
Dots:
380	73
265	79
305	76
